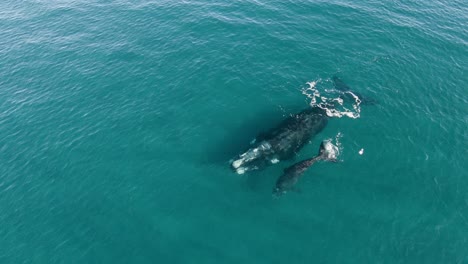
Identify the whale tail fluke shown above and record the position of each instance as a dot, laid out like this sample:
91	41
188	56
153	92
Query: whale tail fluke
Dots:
342	86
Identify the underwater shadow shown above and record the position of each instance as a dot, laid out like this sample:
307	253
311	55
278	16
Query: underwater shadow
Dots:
239	138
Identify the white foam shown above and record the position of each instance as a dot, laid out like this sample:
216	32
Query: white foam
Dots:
333	146
331	150
338	142
334	106
250	155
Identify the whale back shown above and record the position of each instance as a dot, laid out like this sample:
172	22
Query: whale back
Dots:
283	141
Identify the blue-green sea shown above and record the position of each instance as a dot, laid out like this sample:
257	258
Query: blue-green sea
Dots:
118	121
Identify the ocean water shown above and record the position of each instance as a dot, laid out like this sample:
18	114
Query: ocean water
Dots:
118	120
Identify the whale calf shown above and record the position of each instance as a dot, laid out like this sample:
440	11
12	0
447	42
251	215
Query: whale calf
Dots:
327	152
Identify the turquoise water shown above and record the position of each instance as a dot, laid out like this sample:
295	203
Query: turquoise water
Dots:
118	120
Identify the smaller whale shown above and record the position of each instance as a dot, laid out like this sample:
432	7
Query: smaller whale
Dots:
327	152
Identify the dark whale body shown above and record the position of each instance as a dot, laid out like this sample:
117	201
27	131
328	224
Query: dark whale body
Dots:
292	174
283	141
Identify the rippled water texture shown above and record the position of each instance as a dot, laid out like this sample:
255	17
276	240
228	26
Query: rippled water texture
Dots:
118	120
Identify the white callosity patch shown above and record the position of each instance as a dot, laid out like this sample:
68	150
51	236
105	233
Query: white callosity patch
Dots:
240	170
274	160
330	104
249	155
237	163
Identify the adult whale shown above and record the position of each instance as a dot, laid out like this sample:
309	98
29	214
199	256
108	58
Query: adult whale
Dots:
285	140
327	152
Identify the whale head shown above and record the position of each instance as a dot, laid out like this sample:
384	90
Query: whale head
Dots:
328	151
253	158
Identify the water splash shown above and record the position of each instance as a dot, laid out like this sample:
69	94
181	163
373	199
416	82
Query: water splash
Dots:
332	102
338	142
335	145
